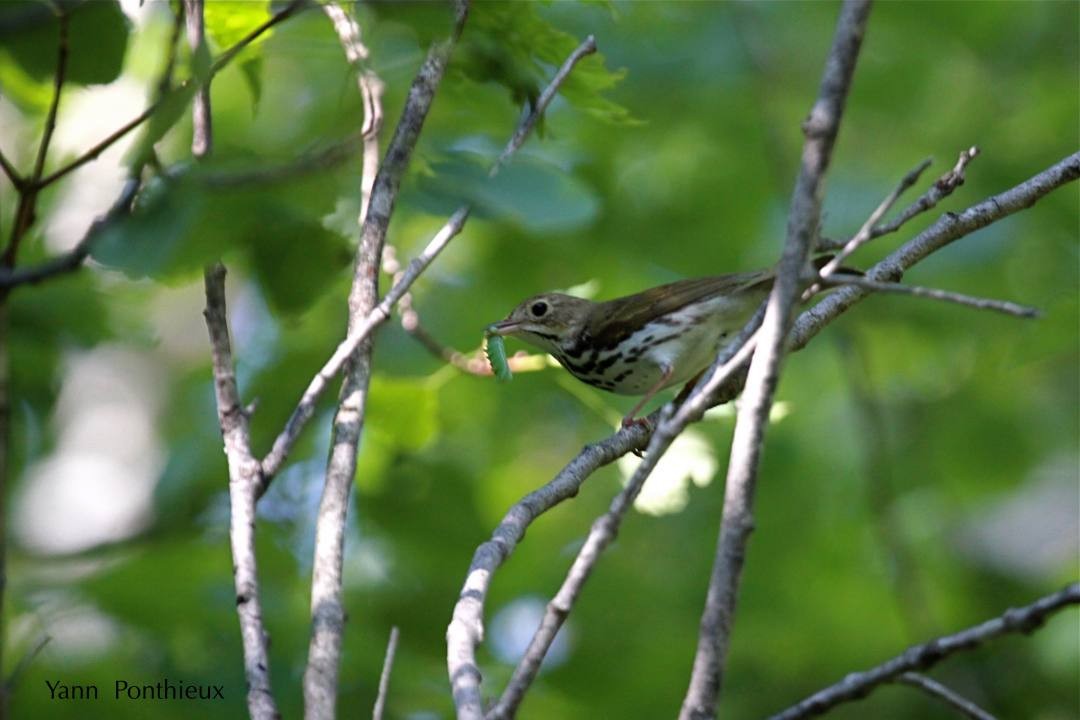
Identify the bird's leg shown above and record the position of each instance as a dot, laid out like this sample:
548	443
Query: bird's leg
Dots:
630	420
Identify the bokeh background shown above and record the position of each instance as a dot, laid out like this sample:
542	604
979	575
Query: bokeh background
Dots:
920	474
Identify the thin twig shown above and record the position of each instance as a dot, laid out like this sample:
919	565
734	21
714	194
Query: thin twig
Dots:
941	189
305	408
950	697
410	319
466	629
244	480
24	664
472	363
586	48
371	90
73	259
281	15
603	532
858	685
865	233
1001	306
327	597
28	192
244	469
384	678
218	65
736	521
13	175
54	106
947	229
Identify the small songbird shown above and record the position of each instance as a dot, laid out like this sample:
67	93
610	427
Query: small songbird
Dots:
643	343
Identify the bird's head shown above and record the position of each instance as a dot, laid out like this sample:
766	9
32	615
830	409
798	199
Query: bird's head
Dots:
548	321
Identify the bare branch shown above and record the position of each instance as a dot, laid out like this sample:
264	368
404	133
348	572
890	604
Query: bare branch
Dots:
606	527
858	685
865	233
466	629
58	86
202	126
306	406
13	175
28	192
73	259
327	608
940	692
371	89
27	659
941	189
1001	306
586	48
281	15
245	473
737	520
384	678
219	64
244	480
949	228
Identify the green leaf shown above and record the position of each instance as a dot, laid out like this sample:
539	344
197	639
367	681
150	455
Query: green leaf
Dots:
179	225
168	113
511	44
529	192
294	257
97	39
252	70
228	21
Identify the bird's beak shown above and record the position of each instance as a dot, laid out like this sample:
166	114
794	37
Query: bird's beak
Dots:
504	327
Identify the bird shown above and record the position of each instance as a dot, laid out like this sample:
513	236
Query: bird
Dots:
642	343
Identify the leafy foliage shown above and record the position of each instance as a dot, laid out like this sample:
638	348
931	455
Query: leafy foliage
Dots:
923	479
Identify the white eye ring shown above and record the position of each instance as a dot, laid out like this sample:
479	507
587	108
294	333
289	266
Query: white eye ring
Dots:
538	308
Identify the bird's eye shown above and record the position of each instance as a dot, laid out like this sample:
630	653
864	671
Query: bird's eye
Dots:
539	309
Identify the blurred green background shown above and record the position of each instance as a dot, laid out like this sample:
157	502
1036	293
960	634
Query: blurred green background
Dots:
920	477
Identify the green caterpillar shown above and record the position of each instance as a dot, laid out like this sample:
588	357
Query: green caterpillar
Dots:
496	355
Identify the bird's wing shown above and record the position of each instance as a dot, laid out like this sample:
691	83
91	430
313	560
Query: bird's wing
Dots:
612	321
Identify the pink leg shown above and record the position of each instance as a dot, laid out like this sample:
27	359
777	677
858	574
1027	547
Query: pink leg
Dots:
630	419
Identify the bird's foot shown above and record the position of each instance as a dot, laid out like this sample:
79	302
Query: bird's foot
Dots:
629	422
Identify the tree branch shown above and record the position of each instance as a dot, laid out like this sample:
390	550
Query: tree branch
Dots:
244	469
73	259
244	480
327	609
384	678
948	228
606	527
306	407
466	628
28	192
941	189
219	64
865	233
858	685
940	692
1001	306
803	219
381	313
